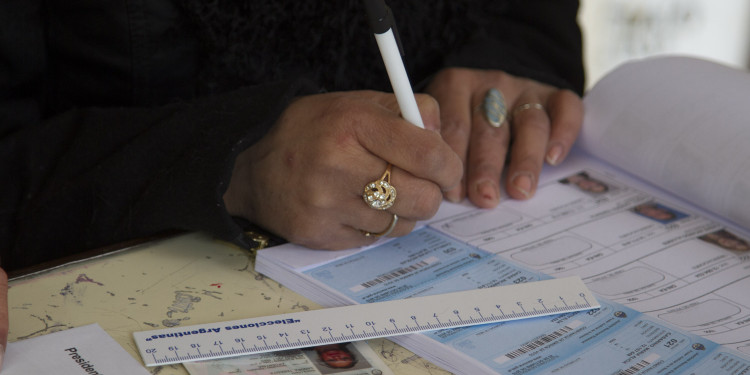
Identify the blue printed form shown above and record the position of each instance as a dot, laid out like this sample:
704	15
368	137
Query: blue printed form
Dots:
630	212
611	340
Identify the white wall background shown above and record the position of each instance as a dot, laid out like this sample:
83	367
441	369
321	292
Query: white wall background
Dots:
618	30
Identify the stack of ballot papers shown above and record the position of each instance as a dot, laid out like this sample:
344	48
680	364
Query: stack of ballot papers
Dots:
651	211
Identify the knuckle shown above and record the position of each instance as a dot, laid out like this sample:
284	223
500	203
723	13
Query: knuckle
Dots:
441	165
427	102
486	170
527	162
537	125
305	236
454	126
403	228
566	137
429	110
311	233
483	166
431	156
317	199
427	202
341	110
437	165
453	75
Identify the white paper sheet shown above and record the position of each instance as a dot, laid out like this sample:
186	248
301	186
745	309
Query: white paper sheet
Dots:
673	131
679	123
86	350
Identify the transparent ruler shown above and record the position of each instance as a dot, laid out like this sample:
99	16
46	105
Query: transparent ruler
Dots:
361	322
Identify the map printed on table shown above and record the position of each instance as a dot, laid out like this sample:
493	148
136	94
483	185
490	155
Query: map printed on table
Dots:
186	280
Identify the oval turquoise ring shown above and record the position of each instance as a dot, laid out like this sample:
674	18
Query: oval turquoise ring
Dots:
494	107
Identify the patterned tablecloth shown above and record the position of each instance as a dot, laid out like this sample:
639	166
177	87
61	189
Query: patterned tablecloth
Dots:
185	280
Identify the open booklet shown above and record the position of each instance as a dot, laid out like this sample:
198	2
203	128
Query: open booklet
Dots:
652	211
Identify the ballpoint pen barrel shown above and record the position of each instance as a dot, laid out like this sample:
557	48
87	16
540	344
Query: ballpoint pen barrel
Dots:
399	79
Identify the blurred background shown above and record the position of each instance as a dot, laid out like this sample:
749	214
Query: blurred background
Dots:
619	30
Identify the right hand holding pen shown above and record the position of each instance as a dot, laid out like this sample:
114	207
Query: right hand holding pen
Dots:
305	179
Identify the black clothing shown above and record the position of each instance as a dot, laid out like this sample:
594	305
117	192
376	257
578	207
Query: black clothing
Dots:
121	119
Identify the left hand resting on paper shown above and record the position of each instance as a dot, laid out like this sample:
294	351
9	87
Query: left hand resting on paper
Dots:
528	138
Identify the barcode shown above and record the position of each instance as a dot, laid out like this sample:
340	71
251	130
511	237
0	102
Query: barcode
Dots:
395	274
531	345
639	366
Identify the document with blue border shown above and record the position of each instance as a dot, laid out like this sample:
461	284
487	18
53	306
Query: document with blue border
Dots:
663	245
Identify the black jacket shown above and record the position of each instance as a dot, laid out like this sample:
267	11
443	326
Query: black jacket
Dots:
121	119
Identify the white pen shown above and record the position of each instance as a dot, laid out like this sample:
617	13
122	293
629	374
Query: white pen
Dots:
382	23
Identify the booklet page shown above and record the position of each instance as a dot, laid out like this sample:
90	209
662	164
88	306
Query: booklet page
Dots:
670	273
640	251
633	249
681	124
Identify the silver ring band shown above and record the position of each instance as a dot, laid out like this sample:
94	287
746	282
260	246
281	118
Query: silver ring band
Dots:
526	106
384	233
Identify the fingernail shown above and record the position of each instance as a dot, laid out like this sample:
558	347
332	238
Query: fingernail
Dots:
553	156
454	197
523	183
455	194
487	190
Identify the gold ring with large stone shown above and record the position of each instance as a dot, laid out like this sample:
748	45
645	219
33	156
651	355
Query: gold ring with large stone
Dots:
386	232
380	194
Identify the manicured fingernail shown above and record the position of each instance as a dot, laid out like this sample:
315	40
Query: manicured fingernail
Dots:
488	191
523	183
553	156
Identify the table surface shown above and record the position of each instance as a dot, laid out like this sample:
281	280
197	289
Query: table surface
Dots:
185	280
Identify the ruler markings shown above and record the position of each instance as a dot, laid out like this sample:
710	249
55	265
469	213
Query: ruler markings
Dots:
182	344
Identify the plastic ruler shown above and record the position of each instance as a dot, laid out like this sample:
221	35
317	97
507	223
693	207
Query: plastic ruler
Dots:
364	321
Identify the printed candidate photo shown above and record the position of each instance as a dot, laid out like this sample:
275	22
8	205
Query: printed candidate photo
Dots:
728	240
658	212
584	182
336	358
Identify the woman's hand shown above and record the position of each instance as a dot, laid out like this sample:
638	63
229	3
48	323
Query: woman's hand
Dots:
531	135
305	179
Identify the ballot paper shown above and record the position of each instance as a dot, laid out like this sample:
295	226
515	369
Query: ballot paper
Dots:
86	350
355	358
650	210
